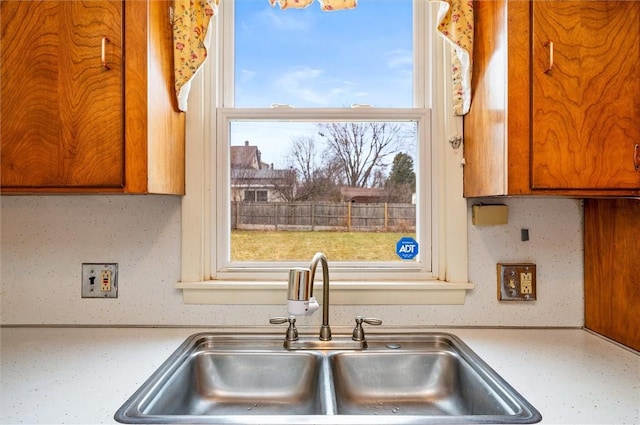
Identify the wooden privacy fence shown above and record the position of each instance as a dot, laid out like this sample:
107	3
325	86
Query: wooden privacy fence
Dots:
310	216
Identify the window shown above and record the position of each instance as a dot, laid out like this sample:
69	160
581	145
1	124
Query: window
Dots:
261	195
255	196
366	89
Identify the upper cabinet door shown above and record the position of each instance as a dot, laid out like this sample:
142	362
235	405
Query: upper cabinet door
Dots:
585	95
556	99
62	94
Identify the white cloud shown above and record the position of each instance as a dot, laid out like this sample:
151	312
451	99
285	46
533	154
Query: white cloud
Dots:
302	83
306	86
399	58
282	21
247	74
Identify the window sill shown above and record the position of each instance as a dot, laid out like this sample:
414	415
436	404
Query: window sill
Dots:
346	293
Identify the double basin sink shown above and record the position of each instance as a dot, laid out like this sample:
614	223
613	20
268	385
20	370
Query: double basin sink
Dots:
423	378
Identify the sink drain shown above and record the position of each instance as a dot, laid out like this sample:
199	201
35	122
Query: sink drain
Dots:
393	345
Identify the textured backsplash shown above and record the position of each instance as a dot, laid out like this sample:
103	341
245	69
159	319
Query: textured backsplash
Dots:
45	240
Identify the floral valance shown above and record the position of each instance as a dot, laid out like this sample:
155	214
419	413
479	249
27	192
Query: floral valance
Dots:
455	19
325	5
192	19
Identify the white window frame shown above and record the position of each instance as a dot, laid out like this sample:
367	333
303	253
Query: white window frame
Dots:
223	269
202	226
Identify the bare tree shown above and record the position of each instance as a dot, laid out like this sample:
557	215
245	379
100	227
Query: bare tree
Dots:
324	184
361	148
285	184
304	155
349	154
317	179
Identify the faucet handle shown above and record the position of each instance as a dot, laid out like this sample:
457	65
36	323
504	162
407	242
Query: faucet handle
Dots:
292	332
278	320
358	331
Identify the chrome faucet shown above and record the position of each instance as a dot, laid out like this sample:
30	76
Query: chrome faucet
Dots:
301	302
300	299
325	329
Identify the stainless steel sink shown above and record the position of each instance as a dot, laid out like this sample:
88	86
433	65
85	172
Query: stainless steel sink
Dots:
423	378
415	383
219	383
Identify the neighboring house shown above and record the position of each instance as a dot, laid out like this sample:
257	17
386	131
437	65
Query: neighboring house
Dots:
255	181
362	194
247	157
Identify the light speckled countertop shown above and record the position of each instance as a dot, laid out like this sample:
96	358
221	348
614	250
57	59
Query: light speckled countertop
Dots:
83	375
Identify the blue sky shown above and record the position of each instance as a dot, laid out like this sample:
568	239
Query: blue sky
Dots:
306	57
309	58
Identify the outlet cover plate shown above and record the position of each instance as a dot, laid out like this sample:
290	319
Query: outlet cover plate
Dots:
91	280
516	281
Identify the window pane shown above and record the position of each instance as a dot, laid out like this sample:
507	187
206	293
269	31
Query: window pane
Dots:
249	196
306	57
344	188
261	196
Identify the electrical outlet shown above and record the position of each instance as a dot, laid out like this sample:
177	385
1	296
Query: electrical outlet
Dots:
105	280
516	282
99	280
526	283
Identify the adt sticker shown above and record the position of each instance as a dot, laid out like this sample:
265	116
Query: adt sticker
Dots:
407	248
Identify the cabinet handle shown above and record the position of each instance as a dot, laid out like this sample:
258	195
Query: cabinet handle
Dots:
550	45
636	157
103	53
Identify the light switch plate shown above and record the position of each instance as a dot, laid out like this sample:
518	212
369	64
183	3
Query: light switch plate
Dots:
99	280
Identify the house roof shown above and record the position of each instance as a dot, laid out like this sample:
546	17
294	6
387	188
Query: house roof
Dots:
263	174
245	156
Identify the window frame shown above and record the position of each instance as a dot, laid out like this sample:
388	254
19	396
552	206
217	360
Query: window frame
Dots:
222	268
203	224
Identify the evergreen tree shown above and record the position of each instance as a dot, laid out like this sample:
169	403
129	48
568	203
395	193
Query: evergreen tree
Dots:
401	183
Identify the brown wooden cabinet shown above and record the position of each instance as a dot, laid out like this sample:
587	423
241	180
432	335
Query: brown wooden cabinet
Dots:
556	99
612	269
76	116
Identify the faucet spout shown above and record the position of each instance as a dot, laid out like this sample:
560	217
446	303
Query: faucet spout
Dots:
319	257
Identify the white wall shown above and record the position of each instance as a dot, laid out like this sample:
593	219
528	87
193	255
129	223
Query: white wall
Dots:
45	239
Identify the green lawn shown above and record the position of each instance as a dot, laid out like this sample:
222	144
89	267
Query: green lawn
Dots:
251	245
